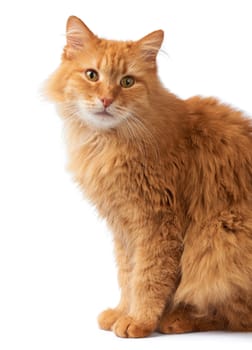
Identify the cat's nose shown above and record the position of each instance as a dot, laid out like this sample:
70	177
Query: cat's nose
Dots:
106	101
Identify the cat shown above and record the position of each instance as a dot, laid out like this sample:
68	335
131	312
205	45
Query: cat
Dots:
172	178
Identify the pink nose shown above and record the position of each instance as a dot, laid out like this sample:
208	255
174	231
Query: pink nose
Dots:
106	101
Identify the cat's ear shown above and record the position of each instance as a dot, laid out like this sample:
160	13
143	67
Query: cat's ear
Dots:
77	35
150	44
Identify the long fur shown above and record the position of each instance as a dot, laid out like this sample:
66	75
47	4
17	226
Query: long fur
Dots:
173	179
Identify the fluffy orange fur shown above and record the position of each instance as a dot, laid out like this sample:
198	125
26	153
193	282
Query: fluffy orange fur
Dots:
172	177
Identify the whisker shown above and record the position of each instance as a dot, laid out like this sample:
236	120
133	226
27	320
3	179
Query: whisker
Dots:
137	129
132	127
164	53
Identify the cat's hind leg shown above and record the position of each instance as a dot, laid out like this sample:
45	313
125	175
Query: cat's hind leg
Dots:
216	268
182	320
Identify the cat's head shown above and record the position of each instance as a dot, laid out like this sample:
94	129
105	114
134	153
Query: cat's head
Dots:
104	82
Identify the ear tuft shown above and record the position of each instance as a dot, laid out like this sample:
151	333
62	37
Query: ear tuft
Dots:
151	43
77	33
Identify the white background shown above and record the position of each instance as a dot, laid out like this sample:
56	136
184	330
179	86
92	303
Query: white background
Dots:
57	270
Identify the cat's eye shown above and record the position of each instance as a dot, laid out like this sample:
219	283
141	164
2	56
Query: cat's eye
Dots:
91	75
127	82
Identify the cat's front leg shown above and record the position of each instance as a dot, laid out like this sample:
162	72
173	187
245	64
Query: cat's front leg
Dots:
107	318
153	283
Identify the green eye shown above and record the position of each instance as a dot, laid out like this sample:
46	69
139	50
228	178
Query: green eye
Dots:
127	82
92	75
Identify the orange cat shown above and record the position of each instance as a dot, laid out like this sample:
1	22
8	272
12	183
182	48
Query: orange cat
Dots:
172	177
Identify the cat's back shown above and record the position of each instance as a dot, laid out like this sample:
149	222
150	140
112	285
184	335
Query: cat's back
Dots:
219	149
214	126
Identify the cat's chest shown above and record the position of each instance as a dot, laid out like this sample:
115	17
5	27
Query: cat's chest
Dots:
119	181
103	170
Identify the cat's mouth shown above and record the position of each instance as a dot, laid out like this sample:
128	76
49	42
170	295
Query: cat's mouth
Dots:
104	114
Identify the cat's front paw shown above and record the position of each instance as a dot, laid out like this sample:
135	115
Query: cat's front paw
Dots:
107	318
127	327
